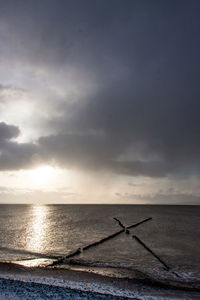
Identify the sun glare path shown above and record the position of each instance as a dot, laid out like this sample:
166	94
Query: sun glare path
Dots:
38	229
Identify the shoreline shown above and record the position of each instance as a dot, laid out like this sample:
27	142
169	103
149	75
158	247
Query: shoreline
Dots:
17	280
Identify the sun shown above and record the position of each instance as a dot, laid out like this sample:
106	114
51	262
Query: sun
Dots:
43	175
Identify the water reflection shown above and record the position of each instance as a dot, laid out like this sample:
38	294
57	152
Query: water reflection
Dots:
38	229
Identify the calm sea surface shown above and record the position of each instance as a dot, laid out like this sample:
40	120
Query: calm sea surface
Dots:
35	231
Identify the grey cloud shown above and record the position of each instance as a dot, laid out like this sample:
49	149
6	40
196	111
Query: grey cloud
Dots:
159	198
14	155
141	168
161	138
9	89
8	132
143	117
183	199
84	150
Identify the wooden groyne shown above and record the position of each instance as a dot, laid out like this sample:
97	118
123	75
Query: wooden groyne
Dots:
101	241
151	251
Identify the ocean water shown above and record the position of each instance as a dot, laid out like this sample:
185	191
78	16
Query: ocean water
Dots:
29	231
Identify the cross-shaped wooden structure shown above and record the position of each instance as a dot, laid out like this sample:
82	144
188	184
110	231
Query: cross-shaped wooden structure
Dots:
107	238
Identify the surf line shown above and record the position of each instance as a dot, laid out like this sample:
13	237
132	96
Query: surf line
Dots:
109	237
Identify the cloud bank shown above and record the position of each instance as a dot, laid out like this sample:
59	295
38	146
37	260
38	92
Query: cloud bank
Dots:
119	81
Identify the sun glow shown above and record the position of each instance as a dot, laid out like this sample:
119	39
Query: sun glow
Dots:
43	175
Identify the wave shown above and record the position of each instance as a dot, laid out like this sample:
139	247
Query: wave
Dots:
52	283
151	275
178	279
31	254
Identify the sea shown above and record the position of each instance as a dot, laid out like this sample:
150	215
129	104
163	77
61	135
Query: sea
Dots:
42	234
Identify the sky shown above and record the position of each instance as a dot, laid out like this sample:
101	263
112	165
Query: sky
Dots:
100	101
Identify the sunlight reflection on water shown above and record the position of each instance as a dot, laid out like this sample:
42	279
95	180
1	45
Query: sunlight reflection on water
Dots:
38	229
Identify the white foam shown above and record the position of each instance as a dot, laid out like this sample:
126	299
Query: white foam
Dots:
36	262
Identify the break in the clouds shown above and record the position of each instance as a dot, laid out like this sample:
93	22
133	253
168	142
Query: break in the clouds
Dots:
107	86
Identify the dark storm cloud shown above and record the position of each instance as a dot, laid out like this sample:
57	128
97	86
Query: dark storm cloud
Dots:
143	118
8	132
14	155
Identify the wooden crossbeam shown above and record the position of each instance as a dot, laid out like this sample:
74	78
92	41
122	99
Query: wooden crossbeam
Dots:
126	228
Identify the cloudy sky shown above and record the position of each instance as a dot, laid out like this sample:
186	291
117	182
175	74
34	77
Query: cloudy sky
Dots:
100	101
